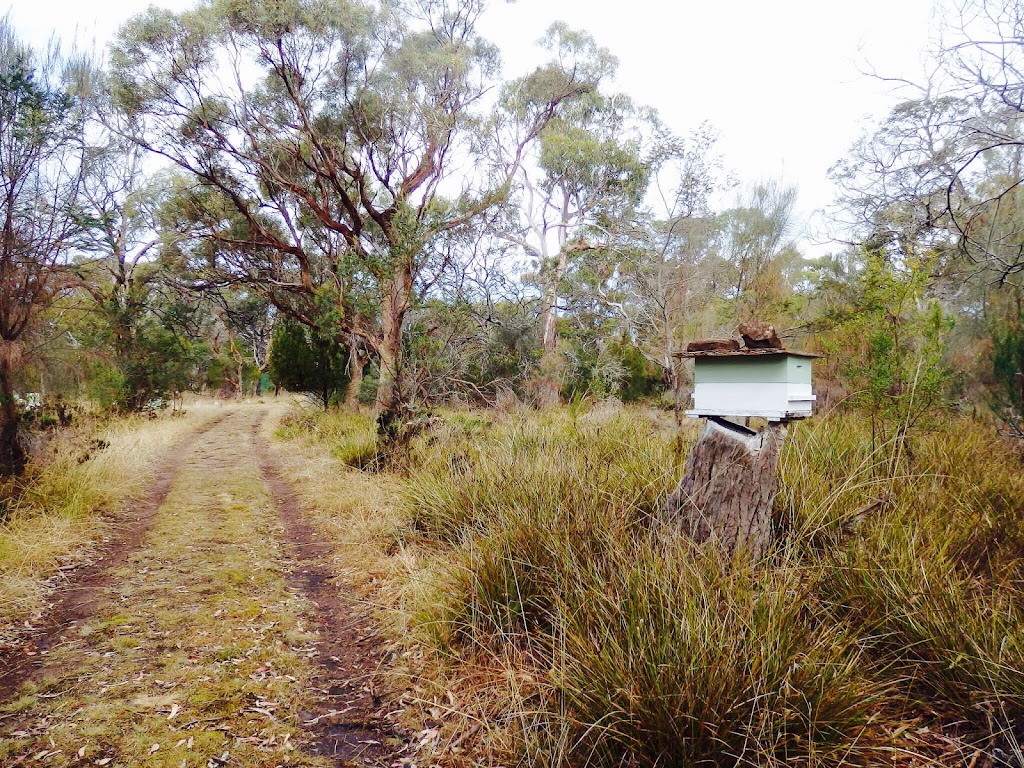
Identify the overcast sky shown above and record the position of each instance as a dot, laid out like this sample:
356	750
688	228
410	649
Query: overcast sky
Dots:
780	79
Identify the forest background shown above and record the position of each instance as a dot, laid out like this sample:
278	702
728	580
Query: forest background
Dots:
349	200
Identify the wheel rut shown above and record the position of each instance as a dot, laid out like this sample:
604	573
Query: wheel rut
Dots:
347	718
84	588
213	632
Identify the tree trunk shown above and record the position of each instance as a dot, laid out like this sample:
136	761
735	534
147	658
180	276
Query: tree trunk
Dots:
730	483
12	453
357	362
549	322
396	303
548	382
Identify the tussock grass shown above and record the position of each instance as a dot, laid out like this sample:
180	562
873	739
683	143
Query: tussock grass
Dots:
676	658
615	470
929	579
64	503
350	435
559	624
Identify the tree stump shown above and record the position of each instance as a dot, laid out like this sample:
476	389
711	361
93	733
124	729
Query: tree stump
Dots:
730	483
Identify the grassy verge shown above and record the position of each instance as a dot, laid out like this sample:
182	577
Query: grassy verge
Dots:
66	503
552	620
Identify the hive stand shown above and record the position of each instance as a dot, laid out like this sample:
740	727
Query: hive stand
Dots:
730	483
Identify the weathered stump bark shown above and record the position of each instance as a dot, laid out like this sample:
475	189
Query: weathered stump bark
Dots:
730	483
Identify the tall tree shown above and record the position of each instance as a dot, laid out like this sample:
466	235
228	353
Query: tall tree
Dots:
324	136
664	278
115	260
580	183
758	252
41	147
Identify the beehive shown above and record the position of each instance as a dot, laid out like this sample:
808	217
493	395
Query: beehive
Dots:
774	384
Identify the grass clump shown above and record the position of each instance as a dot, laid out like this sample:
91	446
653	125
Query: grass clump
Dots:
644	651
893	596
678	658
927	576
955	641
351	435
613	470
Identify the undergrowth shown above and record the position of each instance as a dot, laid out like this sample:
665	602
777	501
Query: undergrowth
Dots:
567	627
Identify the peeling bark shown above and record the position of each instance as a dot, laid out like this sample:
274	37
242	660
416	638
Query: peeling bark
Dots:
397	295
357	362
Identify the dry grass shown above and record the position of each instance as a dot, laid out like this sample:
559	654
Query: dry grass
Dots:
354	509
68	504
202	654
548	620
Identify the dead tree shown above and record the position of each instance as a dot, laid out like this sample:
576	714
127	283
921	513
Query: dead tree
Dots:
730	483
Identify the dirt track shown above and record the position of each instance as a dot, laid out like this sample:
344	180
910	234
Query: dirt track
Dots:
212	632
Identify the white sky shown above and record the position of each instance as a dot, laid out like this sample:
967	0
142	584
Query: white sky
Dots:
779	79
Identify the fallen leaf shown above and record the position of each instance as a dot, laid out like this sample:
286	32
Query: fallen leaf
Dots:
154	748
81	753
104	761
174	711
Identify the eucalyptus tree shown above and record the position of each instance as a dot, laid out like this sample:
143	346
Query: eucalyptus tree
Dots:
981	63
41	147
901	186
936	187
663	278
330	143
578	185
941	173
757	252
115	262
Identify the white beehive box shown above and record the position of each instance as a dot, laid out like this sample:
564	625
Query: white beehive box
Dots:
774	384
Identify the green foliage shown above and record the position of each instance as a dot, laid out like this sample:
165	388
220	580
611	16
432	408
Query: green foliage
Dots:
891	343
642	379
1008	374
162	362
605	367
302	359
